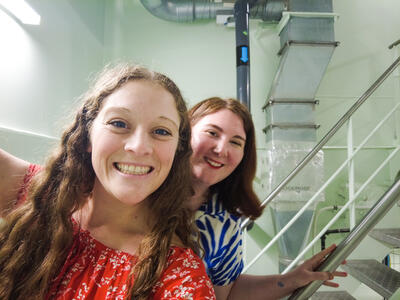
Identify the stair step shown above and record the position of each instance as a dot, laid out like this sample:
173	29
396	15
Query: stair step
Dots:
382	279
390	236
336	295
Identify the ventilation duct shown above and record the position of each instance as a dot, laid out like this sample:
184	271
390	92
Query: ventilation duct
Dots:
183	11
190	11
307	45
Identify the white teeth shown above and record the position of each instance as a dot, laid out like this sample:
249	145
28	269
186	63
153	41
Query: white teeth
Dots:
213	163
132	170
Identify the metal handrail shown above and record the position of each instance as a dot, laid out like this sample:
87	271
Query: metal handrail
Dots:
341	211
321	189
327	137
396	43
343	250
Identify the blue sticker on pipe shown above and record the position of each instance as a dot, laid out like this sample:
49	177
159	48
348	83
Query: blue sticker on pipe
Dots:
242	55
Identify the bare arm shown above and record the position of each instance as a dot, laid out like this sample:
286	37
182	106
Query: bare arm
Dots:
12	171
277	286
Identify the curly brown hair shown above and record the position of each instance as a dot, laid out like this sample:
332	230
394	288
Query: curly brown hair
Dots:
36	237
236	191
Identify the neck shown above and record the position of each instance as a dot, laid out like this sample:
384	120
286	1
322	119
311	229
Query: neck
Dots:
115	224
200	196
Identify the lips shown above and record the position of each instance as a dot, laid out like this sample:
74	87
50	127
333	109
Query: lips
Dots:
133	169
213	163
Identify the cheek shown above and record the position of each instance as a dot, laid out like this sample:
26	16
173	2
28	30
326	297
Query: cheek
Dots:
237	158
199	146
167	154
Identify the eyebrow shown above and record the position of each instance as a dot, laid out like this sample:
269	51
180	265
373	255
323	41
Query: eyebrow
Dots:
220	129
128	111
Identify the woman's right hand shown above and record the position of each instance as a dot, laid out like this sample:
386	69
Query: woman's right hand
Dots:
304	274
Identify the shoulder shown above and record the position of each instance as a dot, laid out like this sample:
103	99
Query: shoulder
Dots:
12	172
212	217
221	241
23	189
184	277
214	208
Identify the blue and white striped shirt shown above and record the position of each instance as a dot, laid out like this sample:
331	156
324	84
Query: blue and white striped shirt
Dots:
221	240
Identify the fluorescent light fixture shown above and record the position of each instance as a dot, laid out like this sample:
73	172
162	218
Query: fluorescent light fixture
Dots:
22	11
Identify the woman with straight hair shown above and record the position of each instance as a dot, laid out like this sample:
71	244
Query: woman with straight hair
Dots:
223	170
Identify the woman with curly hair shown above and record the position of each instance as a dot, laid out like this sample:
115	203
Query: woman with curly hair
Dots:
104	217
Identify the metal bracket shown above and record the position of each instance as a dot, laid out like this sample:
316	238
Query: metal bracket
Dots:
290	125
289	101
306	43
287	14
394	44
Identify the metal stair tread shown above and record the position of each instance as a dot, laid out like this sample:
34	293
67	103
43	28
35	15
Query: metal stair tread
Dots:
390	236
382	279
334	295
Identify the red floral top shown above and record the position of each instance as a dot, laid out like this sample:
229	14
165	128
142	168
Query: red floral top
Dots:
95	271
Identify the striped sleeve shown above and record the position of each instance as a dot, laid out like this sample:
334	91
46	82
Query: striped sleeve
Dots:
221	241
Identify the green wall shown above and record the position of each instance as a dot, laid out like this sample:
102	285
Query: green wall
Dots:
45	68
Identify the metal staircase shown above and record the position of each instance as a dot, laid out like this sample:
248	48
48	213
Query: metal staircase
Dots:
385	282
379	277
342	295
389	236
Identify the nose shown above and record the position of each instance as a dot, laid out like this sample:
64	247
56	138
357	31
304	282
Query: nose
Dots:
139	142
221	148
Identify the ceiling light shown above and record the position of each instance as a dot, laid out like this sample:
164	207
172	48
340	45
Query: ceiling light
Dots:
21	10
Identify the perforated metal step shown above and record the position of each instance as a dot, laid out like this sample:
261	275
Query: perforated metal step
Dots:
382	279
334	295
389	236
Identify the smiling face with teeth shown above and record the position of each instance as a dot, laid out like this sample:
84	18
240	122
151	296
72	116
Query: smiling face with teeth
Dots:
133	141
218	142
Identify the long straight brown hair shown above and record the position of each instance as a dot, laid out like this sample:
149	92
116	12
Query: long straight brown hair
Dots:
36	237
236	191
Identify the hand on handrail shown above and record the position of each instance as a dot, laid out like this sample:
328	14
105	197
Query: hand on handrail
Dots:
305	274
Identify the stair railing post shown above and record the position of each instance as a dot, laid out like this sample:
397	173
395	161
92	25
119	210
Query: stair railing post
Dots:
350	171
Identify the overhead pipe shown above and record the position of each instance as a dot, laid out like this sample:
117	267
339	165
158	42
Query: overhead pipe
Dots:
192	10
183	11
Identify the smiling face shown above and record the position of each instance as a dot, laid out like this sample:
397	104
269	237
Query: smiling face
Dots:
218	142
133	141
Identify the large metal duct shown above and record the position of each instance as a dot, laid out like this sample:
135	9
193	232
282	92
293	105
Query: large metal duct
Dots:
307	44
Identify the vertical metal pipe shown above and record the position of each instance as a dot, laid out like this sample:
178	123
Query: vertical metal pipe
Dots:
241	11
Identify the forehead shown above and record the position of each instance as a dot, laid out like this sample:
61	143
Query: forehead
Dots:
142	96
227	120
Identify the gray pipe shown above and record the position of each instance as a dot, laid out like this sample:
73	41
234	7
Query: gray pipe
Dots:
242	52
182	11
192	10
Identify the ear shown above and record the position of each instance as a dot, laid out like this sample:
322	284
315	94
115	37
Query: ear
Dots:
89	148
